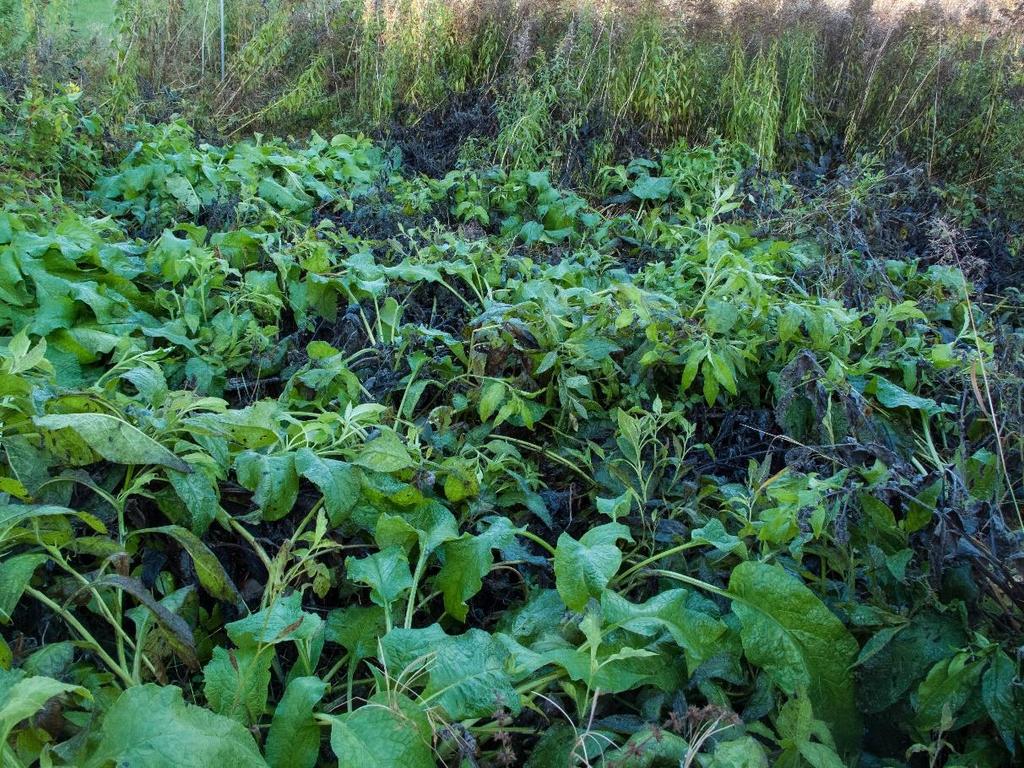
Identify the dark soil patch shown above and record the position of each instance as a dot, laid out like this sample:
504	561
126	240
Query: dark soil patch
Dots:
431	144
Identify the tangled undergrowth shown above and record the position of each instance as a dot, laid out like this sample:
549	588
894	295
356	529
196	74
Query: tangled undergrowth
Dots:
308	459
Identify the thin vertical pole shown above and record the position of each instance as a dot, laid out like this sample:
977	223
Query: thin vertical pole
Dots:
222	70
202	44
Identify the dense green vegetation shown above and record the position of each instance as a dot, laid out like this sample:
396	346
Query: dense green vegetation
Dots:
545	427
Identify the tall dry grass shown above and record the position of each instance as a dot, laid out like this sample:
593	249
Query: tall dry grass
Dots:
570	81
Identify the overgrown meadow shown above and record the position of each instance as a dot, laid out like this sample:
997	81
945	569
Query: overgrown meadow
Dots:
481	385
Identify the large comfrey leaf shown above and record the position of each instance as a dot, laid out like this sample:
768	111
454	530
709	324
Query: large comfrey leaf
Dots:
467	674
198	492
338	481
113	439
15	574
803	735
429	524
952	685
616	668
281	622
152	726
272	479
691	622
583	568
385	453
386	732
612	665
543	614
467	560
385	572
787	631
743	752
22	697
650	748
211	573
293	740
251	428
13	516
1004	699
236	682
356	628
894	662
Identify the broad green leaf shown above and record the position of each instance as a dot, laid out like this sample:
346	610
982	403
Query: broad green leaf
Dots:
693	626
649	749
491	398
583	568
801	733
152	727
338	481
51	660
12	515
921	508
273	481
212	575
236	682
693	361
389	731
22	697
394	530
877	642
386	453
787	631
250	428
14	487
560	747
178	631
429	523
714	534
723	372
894	669
820	755
112	438
183	192
711	383
460	481
466	674
293	740
614	669
467	560
15	574
744	752
892	396
616	507
949	686
385	572
357	629
283	198
199	495
720	316
1004	699
283	621
652	187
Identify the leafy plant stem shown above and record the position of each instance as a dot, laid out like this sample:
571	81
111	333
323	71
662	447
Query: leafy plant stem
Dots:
421	565
538	541
653	559
992	412
261	553
75	624
694	583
